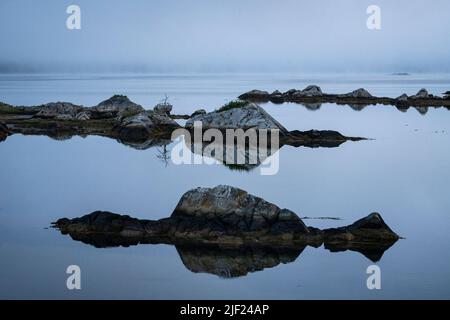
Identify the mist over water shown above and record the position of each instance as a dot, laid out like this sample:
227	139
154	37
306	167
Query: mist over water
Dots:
224	36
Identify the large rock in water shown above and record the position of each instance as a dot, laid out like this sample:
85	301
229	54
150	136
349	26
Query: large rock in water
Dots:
144	124
58	111
237	211
243	117
116	106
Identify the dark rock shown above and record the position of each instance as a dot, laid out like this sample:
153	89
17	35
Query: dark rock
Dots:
276	97
198	112
4	131
369	229
255	95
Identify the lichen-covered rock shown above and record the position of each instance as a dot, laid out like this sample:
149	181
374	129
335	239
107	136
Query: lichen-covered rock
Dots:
238	210
59	111
248	116
116	106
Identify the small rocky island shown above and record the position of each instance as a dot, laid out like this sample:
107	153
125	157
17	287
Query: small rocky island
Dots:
313	94
120	118
229	217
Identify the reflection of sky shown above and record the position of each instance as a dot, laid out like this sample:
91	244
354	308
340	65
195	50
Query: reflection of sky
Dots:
403	174
234	35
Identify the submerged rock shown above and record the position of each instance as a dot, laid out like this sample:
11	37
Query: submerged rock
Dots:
59	111
244	117
116	106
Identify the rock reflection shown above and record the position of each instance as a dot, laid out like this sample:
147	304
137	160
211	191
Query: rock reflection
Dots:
232	261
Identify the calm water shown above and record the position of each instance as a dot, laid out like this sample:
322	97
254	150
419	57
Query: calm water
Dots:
403	173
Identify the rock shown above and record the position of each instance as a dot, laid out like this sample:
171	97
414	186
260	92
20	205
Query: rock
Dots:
312	91
276	97
290	92
446	95
368	229
163	108
238	211
249	116
403	97
359	93
142	125
116	106
198	112
4	131
255	95
59	111
422	94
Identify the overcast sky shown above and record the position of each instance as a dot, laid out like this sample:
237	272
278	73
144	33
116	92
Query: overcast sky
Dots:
225	35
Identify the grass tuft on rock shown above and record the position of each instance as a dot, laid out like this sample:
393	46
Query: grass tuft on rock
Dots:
235	104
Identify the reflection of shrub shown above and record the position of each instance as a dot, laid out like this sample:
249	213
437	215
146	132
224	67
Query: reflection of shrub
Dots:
233	105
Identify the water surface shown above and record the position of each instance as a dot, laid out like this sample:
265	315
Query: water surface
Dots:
403	174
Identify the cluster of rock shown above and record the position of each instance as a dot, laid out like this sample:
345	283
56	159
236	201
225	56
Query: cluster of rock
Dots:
116	117
120	118
228	216
252	116
314	94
